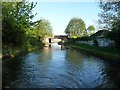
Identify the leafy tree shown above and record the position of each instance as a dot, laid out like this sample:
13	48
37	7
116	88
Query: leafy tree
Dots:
110	19
90	30
76	27
43	29
16	21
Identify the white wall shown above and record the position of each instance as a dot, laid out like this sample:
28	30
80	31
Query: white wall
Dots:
102	42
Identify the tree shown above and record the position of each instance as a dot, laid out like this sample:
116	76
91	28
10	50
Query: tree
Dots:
110	19
110	12
16	19
90	30
76	27
43	29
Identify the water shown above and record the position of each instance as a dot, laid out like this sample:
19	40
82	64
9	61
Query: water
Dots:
56	68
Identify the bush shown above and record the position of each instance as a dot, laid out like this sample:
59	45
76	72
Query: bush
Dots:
86	38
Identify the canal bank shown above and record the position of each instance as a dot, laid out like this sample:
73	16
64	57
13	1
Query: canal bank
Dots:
10	52
104	53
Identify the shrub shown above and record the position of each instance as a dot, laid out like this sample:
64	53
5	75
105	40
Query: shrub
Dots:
85	38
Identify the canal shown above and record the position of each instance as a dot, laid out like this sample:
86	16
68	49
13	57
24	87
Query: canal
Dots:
60	68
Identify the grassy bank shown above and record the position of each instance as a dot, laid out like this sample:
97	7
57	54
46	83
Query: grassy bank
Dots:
11	51
105	53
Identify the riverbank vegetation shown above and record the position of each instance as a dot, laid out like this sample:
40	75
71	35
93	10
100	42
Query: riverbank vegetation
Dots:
103	52
19	33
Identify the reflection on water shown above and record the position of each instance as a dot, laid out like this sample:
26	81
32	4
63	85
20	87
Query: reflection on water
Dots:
53	67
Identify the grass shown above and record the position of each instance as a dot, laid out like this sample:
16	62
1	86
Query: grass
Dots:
106	53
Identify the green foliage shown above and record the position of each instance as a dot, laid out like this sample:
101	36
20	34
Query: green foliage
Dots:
91	27
43	29
85	38
16	21
18	28
32	40
19	31
74	37
90	30
76	27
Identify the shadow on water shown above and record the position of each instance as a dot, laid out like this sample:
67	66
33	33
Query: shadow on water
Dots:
57	67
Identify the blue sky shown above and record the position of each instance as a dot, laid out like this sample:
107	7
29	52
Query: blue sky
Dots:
60	13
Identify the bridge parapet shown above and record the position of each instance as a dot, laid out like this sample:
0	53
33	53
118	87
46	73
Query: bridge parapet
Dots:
60	36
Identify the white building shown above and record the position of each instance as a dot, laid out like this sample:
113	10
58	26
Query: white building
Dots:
100	38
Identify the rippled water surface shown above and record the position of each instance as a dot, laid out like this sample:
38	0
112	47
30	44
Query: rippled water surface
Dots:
56	68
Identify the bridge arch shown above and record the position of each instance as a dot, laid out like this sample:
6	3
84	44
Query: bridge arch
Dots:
62	38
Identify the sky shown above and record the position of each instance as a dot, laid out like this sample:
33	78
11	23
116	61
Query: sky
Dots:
60	13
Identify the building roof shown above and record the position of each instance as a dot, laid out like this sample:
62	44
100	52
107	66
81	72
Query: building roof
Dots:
100	33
